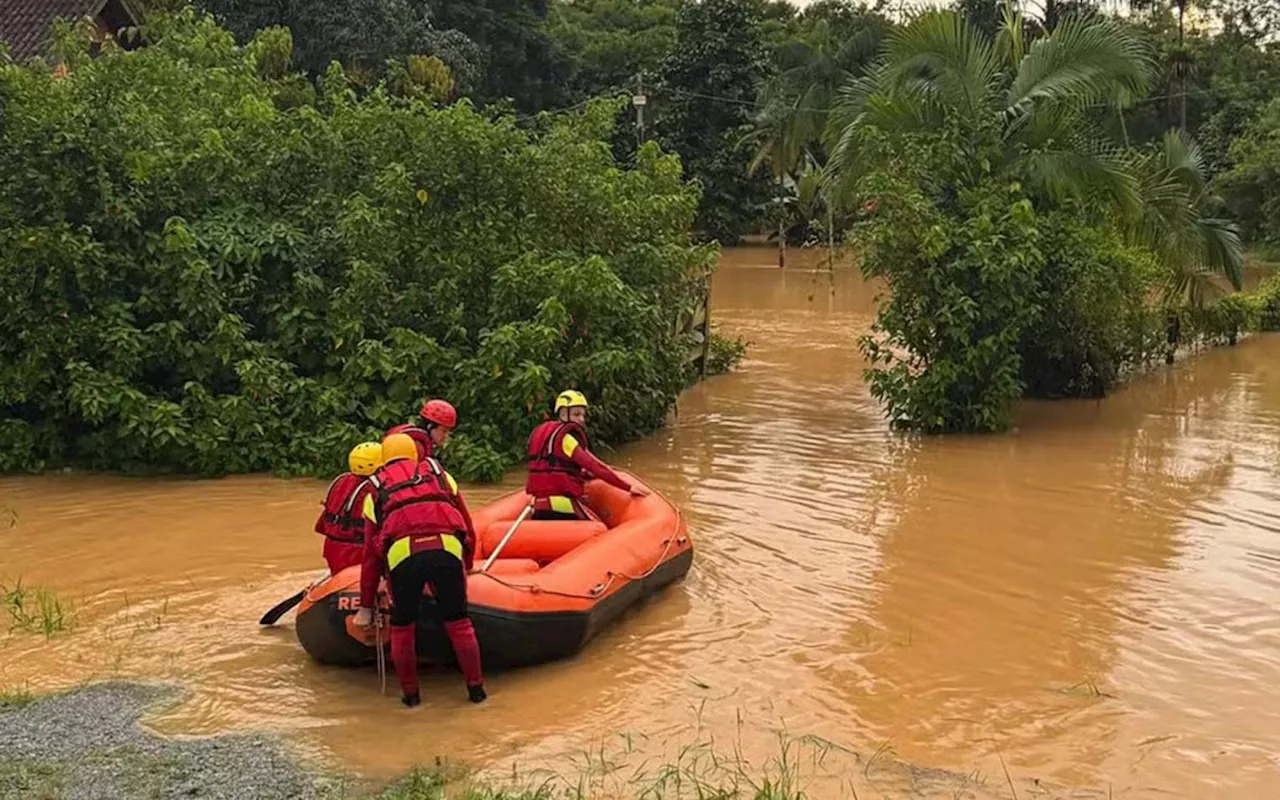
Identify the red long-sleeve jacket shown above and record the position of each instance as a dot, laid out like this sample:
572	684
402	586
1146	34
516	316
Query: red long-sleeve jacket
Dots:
386	519
560	462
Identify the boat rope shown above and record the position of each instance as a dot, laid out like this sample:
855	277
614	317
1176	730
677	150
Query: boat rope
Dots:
382	657
600	588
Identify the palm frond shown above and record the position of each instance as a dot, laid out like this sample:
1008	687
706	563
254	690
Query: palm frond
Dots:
860	49
1183	159
1168	212
809	186
796	56
1085	60
809	117
1075	170
1222	251
941	57
847	112
774	141
1190	285
1009	39
1193	246
1050	126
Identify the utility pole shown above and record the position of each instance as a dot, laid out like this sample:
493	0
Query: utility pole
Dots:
638	100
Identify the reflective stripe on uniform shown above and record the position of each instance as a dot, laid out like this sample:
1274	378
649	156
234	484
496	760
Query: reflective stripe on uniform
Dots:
562	504
398	552
346	508
403	548
569	444
367	510
452	544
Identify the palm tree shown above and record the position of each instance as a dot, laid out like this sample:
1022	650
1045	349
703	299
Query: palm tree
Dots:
794	104
1179	227
1177	223
816	65
778	144
1181	61
939	71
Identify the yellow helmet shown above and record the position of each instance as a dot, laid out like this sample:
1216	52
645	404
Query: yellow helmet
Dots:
398	445
569	399
365	457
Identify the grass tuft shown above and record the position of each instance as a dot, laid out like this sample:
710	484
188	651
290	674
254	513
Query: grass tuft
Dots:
696	772
14	697
36	610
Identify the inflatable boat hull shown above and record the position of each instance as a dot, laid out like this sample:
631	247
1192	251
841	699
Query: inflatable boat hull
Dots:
566	582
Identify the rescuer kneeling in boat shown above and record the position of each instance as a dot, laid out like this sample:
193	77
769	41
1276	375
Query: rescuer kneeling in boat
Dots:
418	526
559	462
435	414
342	520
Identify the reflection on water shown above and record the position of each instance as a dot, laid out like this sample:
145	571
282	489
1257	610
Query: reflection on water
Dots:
1089	599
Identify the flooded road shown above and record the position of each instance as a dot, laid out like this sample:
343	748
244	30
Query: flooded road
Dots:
1090	601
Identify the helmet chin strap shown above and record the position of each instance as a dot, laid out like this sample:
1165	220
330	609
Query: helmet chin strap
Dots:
430	427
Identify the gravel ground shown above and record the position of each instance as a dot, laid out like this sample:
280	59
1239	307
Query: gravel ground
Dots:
87	745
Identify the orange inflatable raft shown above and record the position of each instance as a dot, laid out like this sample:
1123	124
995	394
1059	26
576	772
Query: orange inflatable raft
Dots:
554	586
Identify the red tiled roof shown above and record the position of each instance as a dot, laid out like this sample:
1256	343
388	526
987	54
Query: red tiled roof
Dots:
25	24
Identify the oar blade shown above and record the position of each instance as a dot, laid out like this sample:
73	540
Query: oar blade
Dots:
281	608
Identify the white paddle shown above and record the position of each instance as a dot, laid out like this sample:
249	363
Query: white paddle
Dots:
494	555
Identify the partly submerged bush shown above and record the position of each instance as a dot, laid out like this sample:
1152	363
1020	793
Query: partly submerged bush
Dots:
1266	299
196	277
1096	323
961	277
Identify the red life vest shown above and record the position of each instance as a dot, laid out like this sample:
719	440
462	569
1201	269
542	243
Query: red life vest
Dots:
413	499
550	473
420	437
341	519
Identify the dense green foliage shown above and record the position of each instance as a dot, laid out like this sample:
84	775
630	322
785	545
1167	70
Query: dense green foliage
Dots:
1019	246
959	278
1214	65
362	36
709	81
1094	321
1252	186
519	60
1056	200
612	42
1265	303
197	276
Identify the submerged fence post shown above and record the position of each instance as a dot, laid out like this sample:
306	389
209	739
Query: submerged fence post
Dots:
706	322
698	321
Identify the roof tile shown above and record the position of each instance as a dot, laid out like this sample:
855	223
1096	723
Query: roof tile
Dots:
25	24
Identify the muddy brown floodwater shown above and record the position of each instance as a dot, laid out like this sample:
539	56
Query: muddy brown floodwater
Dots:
1090	600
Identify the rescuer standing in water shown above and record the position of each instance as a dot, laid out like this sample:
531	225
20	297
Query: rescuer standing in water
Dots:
342	520
435	414
419	530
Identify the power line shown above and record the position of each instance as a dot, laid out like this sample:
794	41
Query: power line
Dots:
615	90
612	90
754	104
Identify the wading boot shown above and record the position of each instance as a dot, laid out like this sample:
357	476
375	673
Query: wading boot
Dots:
404	655
462	635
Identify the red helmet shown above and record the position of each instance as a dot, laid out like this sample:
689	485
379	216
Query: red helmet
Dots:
439	412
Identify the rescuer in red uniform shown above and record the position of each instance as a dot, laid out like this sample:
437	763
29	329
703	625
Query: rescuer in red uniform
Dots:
560	459
419	530
342	520
434	414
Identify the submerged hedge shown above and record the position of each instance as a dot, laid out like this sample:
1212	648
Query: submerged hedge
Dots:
205	267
